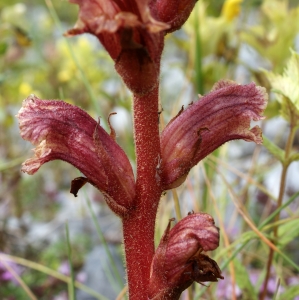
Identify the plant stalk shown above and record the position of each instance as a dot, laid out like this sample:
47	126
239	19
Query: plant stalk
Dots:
139	225
288	149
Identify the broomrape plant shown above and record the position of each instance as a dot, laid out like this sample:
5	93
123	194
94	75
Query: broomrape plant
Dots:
133	33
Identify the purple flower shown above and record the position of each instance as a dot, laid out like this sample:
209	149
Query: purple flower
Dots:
6	275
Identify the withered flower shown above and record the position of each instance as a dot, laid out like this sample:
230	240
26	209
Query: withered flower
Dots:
218	117
178	261
63	131
133	34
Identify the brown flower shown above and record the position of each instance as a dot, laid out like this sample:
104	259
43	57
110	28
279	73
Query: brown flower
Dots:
63	131
220	116
178	261
133	34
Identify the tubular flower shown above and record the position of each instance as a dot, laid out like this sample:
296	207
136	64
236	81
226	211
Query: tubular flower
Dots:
133	34
178	260
220	116
63	131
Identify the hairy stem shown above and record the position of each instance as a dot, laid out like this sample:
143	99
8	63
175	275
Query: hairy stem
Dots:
282	186
139	226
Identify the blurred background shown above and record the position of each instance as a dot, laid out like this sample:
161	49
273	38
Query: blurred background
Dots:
42	225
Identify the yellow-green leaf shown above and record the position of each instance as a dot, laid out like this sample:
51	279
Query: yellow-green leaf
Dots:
286	88
273	149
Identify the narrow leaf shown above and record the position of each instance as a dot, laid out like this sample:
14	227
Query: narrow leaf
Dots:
294	157
288	232
243	281
273	149
71	285
291	293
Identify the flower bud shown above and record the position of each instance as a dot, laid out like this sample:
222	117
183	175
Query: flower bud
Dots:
178	260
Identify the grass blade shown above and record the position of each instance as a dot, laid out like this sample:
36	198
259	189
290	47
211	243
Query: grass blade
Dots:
41	268
71	285
104	243
19	280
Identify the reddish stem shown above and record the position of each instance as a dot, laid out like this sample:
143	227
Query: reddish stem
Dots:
139	226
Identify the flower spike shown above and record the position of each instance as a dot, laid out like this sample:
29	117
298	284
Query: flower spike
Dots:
63	131
218	117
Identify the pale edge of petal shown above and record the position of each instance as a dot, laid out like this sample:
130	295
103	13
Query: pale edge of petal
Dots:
31	165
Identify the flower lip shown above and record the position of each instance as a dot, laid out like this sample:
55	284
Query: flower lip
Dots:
205	269
77	184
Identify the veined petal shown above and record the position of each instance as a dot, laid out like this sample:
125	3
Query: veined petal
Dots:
63	131
178	260
220	116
